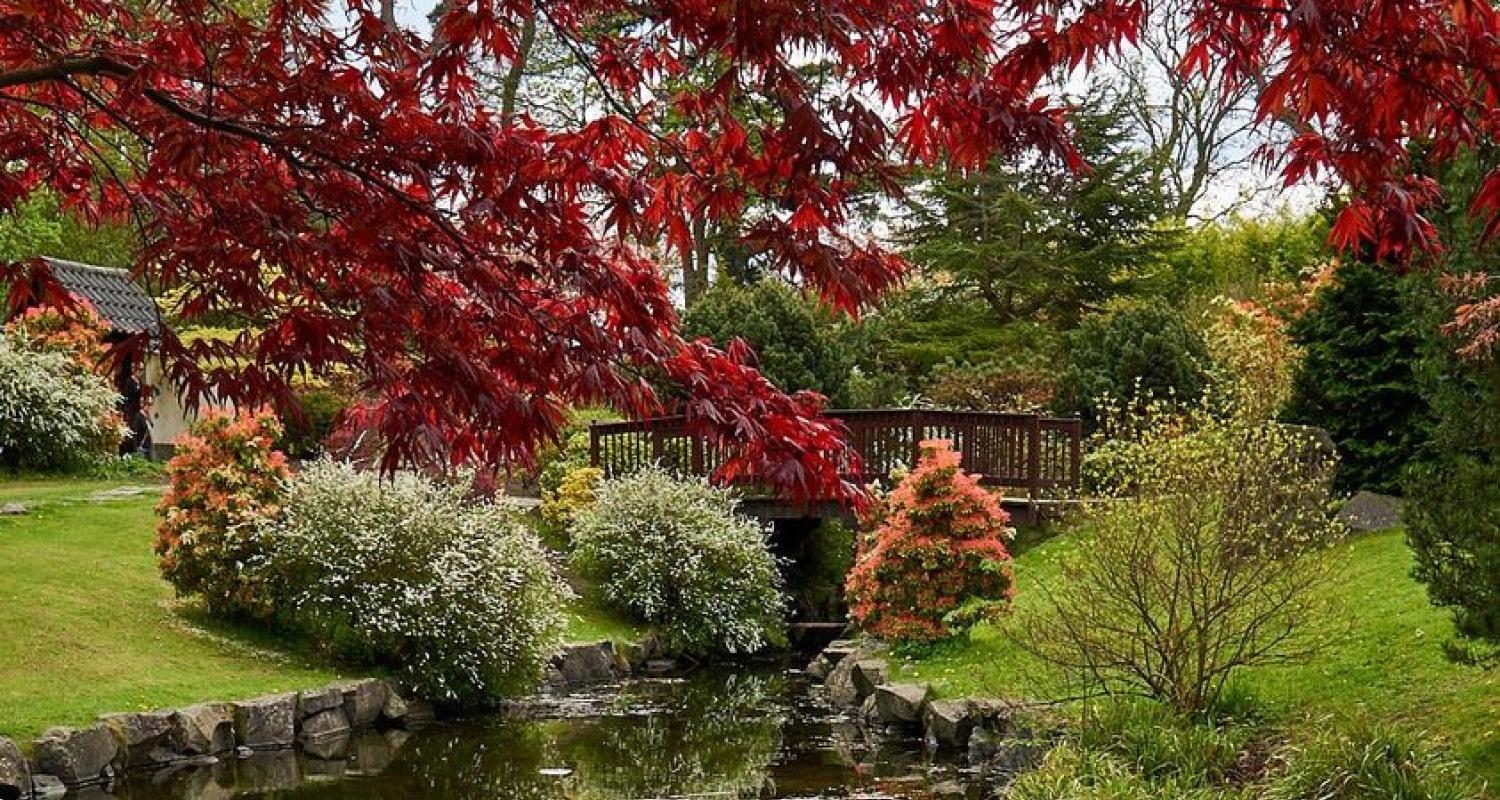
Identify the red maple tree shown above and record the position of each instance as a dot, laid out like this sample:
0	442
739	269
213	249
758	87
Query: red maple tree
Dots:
337	182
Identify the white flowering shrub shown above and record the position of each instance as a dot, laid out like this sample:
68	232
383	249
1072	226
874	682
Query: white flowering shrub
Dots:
671	552
456	597
54	413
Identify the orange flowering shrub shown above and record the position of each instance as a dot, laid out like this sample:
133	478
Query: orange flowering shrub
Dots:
936	561
79	334
225	480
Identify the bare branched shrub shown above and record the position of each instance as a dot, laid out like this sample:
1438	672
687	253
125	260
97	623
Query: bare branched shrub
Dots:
1203	559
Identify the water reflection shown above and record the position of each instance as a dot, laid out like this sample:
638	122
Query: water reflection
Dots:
719	735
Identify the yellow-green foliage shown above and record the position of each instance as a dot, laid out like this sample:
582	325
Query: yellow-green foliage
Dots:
577	491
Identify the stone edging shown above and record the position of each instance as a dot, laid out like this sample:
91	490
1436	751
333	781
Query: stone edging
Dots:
856	677
317	720
66	758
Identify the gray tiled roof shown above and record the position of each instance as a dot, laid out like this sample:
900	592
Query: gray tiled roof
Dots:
113	293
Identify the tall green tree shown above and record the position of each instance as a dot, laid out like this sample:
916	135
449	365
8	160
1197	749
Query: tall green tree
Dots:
1034	240
801	344
1452	509
1357	379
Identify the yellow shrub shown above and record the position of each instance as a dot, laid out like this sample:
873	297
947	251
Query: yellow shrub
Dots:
574	493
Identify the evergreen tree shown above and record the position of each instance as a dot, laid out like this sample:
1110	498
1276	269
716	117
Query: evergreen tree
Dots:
1357	379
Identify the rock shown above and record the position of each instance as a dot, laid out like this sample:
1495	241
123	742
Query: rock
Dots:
266	723
15	775
12	510
395	709
949	789
46	787
317	701
839	685
1368	511
868	674
586	663
324	724
839	649
983	746
419	712
819	668
948	723
77	756
364	700
897	703
145	739
203	729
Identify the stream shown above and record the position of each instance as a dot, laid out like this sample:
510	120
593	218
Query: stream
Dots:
749	732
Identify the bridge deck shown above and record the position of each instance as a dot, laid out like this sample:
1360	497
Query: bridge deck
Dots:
1026	456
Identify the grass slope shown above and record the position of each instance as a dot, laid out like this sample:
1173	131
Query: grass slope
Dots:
88	626
1383	662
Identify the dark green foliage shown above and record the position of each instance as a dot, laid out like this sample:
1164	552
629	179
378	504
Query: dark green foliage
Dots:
801	345
1131	353
1034	240
303	438
1358	379
1452	510
1452	518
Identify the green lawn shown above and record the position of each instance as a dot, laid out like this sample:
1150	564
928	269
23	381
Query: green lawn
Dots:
89	627
1383	660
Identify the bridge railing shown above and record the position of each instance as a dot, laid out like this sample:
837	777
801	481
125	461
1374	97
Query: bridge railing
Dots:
1027	453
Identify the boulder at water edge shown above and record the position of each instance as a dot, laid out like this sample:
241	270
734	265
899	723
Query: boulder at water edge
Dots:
15	777
77	755
205	729
266	722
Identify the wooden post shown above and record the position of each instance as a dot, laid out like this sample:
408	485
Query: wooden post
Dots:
1075	445
696	448
593	444
657	447
1033	457
916	437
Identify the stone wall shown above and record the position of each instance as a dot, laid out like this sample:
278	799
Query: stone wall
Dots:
268	732
320	721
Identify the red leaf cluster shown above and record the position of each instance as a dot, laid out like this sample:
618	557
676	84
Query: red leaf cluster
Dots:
340	184
937	553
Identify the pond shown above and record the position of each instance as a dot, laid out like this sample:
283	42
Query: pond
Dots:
716	734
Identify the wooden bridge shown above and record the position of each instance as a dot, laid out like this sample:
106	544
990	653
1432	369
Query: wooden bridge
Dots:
1033	461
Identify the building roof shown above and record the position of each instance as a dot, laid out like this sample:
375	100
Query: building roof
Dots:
113	293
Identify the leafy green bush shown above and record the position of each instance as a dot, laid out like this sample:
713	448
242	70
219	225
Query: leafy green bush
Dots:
672	552
54	413
457	598
1379	764
801	346
1452	517
1357	379
1207	557
225	479
1139	351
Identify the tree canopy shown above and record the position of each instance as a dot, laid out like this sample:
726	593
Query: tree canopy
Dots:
338	181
